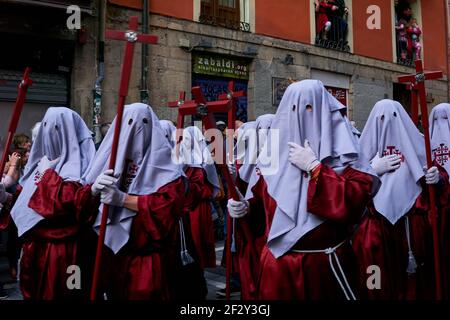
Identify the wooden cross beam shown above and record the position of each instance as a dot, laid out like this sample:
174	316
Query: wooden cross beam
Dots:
413	81
200	107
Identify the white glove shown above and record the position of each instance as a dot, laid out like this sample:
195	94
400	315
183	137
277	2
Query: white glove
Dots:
302	157
3	193
45	164
232	170
385	164
238	209
431	175
113	196
106	179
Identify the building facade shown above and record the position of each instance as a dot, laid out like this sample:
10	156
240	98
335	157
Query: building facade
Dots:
357	49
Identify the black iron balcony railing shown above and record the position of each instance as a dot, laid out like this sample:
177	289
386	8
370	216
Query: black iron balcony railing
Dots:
226	23
336	37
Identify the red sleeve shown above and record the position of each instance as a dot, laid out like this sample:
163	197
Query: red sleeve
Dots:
161	210
442	191
326	5
199	188
339	197
55	197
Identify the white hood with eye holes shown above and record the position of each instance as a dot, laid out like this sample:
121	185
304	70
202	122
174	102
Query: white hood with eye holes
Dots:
143	163
262	131
64	135
390	130
440	134
195	153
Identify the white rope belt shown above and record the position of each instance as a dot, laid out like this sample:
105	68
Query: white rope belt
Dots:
331	252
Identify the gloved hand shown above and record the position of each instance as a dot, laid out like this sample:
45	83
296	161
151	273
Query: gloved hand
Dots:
233	171
113	196
431	175
106	179
3	193
45	164
302	157
238	209
385	164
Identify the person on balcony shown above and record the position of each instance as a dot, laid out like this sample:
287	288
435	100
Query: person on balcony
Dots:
339	23
414	45
323	24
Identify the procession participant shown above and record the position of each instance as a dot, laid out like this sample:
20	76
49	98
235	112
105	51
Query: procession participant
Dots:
203	187
54	208
440	146
395	234
187	280
440	134
145	192
311	197
249	242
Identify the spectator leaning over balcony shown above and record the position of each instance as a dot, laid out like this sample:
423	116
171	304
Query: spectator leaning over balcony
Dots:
323	24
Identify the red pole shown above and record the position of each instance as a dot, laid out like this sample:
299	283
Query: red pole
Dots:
415	106
23	87
123	91
112	164
431	191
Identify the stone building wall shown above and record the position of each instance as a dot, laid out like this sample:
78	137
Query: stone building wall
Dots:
170	67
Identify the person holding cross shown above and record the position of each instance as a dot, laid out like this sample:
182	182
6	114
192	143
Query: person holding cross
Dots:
310	201
145	192
395	234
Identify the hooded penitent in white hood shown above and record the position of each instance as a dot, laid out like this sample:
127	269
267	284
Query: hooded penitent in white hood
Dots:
262	128
144	164
64	135
440	134
307	111
195	153
390	130
169	131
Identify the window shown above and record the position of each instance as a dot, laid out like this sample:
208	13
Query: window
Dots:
408	32
331	24
224	13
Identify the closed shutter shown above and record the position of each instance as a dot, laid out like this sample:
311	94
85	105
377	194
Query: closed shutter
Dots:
46	88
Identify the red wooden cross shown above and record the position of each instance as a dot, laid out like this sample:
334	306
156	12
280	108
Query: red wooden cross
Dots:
417	82
23	87
200	107
413	81
131	37
233	96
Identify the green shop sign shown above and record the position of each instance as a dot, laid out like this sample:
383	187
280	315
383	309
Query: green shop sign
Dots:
221	66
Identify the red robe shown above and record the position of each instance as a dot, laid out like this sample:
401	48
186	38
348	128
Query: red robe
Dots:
378	242
444	213
341	200
249	240
322	16
139	270
52	245
198	205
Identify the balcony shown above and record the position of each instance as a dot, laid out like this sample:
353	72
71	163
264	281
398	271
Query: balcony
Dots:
224	22
225	13
335	36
